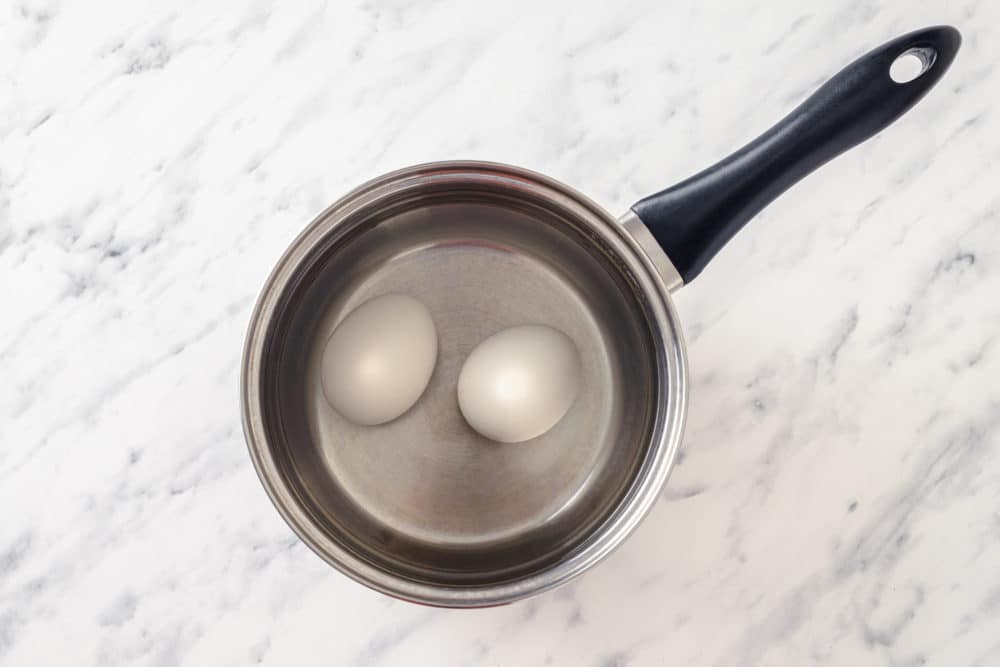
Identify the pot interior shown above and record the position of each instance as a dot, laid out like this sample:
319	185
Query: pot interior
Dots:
424	497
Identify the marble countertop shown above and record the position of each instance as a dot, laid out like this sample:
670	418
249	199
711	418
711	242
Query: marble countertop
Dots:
838	496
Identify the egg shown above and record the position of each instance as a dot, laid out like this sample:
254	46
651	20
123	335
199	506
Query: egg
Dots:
379	359
518	383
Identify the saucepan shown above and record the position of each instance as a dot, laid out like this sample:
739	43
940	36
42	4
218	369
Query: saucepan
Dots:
424	508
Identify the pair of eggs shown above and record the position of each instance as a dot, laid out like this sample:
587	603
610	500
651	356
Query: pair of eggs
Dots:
514	386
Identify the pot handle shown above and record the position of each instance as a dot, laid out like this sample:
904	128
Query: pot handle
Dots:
693	219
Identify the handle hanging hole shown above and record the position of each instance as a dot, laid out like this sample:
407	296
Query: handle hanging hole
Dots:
911	64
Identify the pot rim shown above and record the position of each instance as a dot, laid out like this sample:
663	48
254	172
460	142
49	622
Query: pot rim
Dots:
672	383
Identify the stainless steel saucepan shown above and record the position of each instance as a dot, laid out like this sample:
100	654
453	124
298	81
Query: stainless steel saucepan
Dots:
423	508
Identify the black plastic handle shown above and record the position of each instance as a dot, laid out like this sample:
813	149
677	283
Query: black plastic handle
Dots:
695	218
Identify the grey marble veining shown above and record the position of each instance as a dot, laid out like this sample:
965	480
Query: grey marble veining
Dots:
838	497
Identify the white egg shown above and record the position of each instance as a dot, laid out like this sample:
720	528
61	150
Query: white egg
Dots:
518	383
379	359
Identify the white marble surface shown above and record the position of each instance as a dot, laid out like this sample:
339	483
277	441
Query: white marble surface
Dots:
838	500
